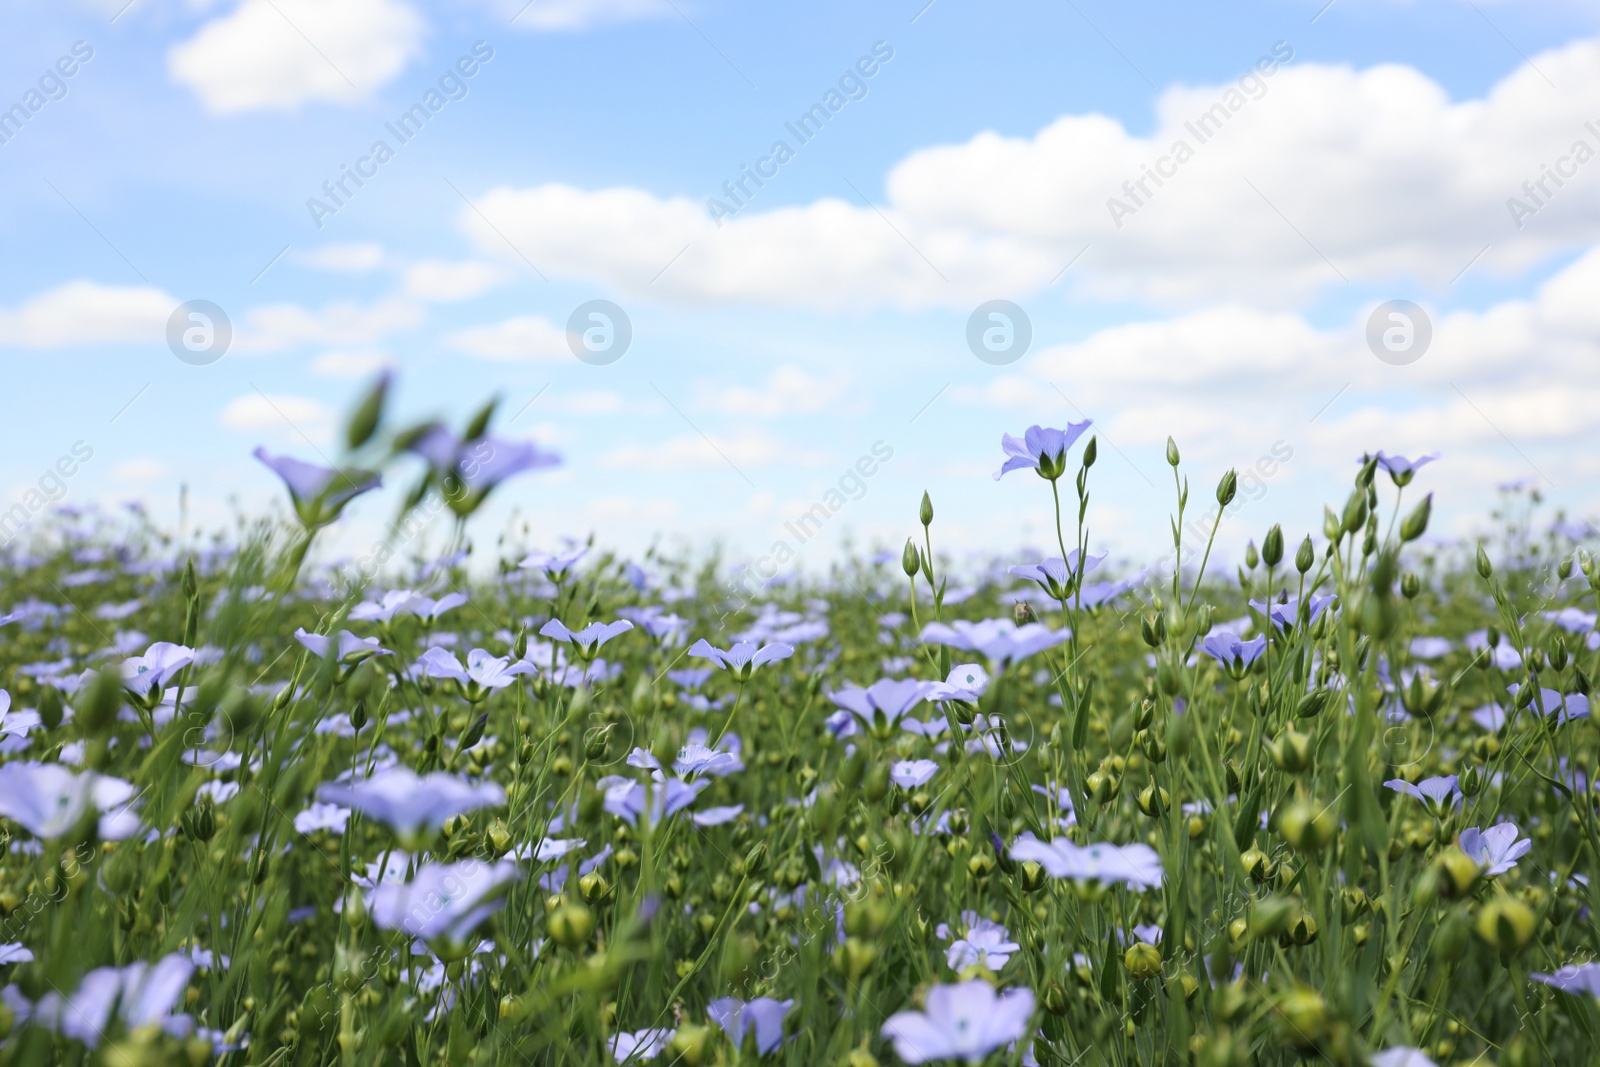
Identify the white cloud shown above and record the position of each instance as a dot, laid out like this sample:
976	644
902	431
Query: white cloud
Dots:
278	326
292	419
139	469
788	390
556	15
279	54
350	364
85	312
1315	173
526	337
434	280
743	448
353	258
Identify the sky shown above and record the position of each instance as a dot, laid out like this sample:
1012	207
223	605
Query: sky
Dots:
1195	215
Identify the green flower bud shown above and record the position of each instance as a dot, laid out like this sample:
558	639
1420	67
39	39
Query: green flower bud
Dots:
1172	452
570	925
1154	800
1410	586
854	957
1091	452
1355	513
364	420
1302	1016
1507	925
1272	546
1251	556
1142	961
1416	523
910	560
1291	751
1228	488
1308	827
1485	568
1306	556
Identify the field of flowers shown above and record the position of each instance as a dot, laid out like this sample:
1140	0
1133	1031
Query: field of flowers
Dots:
1332	807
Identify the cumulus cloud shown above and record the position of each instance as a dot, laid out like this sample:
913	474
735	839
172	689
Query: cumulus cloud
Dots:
278	326
292	419
741	449
280	54
437	281
526	337
85	312
346	364
1289	183
787	391
346	258
559	15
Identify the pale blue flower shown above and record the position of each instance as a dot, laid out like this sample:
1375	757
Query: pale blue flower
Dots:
1042	449
444	903
911	773
407	803
1001	641
966	1021
1496	849
762	1016
319	494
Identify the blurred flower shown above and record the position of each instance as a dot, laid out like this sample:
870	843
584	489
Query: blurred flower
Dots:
321	816
48	800
966	684
984	942
966	1021
588	639
881	704
1401	1056
1057	576
1579	979
483	674
627	799
444	903
1286	613
1496	848
1431	647
1042	449
717	816
351	649
14	953
743	658
1002	641
406	602
554	565
1137	865
1438	793
911	773
145	674
319	494
1234	654
640	1046
763	1015
470	469
406	803
137	995
1402	470
1563	707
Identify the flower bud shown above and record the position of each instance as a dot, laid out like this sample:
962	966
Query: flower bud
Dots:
1507	925
854	957
1272	915
1303	1016
1457	872
1471	781
1410	586
1485	568
1308	827
690	1043
1257	865
1306	556
1154	800
1272	546
1031	875
1228	488
1055	999
910	561
1152	628
1291	751
925	513
1417	522
1143	961
1172	452
570	925
1022	612
1355	513
1251	556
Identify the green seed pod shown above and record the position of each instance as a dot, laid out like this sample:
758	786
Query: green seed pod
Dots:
1142	961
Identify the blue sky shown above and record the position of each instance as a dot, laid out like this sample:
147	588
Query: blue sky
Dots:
1374	162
